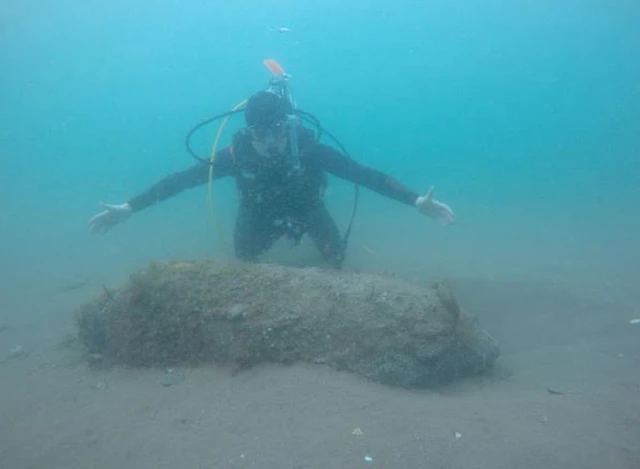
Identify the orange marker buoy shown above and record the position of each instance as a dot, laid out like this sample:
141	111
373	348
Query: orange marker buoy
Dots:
274	67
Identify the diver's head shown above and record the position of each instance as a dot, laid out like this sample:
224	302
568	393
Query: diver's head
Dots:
266	117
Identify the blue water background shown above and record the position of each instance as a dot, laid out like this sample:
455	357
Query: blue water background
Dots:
525	116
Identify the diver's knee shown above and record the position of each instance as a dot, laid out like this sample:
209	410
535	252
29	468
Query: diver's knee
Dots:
334	256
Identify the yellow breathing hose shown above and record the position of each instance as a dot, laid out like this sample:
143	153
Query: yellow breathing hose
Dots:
212	160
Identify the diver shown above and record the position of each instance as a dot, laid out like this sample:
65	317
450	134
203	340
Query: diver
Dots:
281	175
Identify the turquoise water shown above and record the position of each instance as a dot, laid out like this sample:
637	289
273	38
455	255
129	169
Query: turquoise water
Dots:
525	116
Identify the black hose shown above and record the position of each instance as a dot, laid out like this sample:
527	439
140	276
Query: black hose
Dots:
202	124
313	119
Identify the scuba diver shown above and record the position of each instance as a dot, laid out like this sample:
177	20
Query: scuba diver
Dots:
280	168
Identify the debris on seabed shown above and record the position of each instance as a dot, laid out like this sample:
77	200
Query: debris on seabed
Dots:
17	352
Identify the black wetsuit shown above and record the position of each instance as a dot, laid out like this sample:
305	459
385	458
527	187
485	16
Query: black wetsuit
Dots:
274	201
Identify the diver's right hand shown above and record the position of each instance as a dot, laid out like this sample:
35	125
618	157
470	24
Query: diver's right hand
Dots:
110	217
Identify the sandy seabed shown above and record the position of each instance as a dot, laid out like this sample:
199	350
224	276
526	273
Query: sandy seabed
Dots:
564	394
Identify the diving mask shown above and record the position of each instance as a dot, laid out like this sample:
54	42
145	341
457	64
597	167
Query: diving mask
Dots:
271	140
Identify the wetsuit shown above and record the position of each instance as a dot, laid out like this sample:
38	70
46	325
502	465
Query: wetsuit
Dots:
276	201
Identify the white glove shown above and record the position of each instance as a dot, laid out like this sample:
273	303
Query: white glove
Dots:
107	219
430	207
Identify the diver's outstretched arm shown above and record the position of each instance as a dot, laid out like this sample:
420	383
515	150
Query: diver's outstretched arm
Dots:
347	168
167	187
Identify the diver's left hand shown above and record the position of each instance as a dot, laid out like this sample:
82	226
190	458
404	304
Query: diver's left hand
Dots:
430	207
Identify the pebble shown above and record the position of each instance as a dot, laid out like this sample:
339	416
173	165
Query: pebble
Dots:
17	352
171	378
101	385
